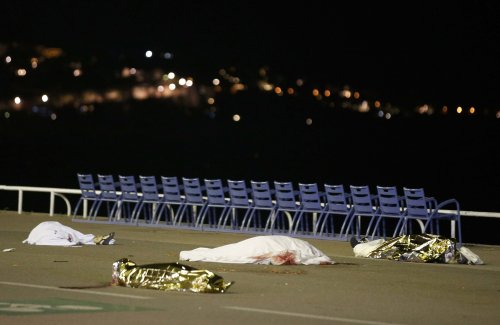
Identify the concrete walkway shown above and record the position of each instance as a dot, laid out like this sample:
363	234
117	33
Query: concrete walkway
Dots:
49	285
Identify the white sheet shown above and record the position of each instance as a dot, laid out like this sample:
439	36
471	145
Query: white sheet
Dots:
53	233
276	250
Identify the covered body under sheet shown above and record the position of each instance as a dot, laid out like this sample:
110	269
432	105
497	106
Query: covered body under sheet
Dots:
53	233
276	250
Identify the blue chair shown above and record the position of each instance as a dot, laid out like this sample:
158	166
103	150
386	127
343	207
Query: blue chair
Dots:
263	206
88	190
311	209
130	200
427	210
287	208
217	206
195	203
391	206
238	201
150	201
365	205
108	193
337	214
173	203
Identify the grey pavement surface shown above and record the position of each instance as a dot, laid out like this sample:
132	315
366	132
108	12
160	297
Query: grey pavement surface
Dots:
48	285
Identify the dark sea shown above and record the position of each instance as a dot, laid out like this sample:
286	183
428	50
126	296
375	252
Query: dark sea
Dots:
449	156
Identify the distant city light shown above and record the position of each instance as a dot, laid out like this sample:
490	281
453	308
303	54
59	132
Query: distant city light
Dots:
172	87
77	72
380	114
133	71
315	92
299	82
364	107
309	121
211	101
346	93
377	104
17	100
168	55
189	83
149	54
356	95
327	93
497	114
472	110
8	59
34	63
182	82
278	90
53	116
171	75
215	82
236	118
290	91
6	115
459	110
45	98
388	116
424	109
160	88
445	109
21	72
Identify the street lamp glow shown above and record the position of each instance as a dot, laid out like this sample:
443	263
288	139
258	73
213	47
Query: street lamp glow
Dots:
45	98
149	54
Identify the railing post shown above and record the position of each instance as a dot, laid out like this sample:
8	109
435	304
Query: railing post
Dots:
20	202
51	209
85	208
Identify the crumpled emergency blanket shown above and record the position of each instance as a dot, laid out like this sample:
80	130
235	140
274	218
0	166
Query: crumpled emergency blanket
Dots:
53	233
273	249
167	277
422	248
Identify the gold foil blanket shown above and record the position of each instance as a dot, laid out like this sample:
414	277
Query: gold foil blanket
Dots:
167	276
423	248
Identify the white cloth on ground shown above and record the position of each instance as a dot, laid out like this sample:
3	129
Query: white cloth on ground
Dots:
364	249
53	233
276	250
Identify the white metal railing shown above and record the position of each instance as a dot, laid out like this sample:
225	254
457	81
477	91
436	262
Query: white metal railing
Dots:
52	191
60	191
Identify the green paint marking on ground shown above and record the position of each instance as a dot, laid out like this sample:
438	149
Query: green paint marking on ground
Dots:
60	306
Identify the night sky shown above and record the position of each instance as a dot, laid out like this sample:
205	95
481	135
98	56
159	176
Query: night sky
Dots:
408	52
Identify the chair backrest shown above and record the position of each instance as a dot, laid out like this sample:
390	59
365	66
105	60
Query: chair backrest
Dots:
416	203
261	194
362	199
388	200
238	192
309	196
107	187
215	191
285	196
87	186
192	190
128	186
171	189
336	198
149	188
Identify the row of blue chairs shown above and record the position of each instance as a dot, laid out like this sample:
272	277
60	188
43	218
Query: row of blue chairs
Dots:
330	212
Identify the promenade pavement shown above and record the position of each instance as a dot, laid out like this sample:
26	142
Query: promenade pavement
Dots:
49	285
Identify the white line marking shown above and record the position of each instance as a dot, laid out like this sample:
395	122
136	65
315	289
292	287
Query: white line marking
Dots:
73	290
285	313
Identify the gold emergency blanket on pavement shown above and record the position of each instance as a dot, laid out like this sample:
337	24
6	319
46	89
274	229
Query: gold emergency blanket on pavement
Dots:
423	248
167	276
